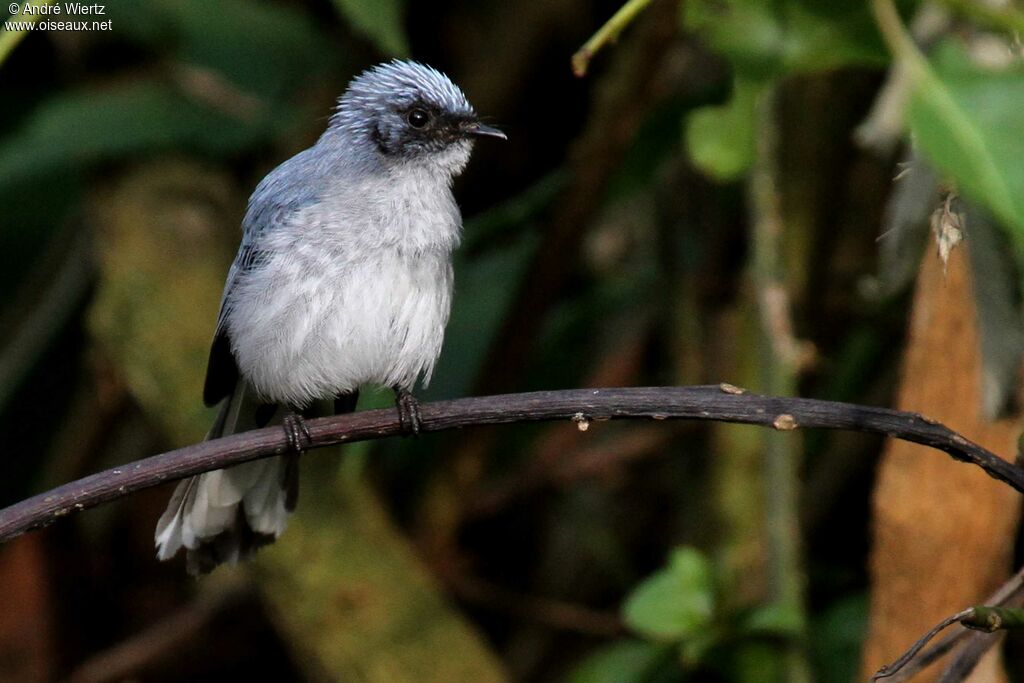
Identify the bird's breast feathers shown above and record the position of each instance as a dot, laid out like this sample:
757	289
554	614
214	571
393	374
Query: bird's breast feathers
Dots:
334	306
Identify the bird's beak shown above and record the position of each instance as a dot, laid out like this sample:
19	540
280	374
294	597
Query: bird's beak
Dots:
480	130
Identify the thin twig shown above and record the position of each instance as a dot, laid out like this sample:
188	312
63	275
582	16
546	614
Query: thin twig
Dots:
984	618
978	642
608	33
890	669
1009	594
968	657
723	403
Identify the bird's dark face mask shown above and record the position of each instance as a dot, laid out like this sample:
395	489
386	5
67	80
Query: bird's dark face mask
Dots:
423	128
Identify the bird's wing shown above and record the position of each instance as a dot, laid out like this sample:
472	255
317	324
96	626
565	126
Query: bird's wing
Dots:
279	196
221	368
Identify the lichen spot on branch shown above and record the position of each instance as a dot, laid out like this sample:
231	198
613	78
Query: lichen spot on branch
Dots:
785	423
582	421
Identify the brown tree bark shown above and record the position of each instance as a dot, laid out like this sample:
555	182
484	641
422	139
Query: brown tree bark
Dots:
26	629
943	534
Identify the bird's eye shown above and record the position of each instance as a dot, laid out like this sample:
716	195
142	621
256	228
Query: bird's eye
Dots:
418	118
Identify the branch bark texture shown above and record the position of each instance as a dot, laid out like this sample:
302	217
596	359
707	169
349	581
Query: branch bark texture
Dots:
723	403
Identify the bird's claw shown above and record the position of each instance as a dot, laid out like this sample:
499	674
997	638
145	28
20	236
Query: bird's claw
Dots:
296	432
408	412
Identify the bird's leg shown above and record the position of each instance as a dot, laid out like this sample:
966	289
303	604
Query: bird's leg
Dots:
298	437
296	432
408	411
346	402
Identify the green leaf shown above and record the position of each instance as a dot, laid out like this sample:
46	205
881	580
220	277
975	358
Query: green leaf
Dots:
720	139
79	128
9	37
773	619
262	48
968	122
765	39
748	33
378	20
823	35
630	661
675	603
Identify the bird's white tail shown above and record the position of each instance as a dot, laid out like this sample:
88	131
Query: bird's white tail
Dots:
224	515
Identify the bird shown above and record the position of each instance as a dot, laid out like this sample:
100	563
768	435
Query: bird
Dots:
343	279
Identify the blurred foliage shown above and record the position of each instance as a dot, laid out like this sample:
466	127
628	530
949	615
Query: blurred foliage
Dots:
380	20
770	39
356	605
256	47
721	138
84	129
682	604
766	41
836	639
967	121
525	553
152	307
676	603
625	662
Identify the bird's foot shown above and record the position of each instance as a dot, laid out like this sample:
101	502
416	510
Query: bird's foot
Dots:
408	412
296	432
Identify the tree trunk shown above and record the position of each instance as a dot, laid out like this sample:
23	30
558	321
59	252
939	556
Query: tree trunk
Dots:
943	533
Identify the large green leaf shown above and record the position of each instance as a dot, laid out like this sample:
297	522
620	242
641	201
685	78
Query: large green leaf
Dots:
765	38
9	36
78	128
968	122
378	20
261	48
676	602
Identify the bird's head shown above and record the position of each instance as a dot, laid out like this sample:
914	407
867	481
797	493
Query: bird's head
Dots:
409	113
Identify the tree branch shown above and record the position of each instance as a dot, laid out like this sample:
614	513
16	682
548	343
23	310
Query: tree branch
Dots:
723	403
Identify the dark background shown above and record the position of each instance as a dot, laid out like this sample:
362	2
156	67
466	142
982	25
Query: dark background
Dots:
612	241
